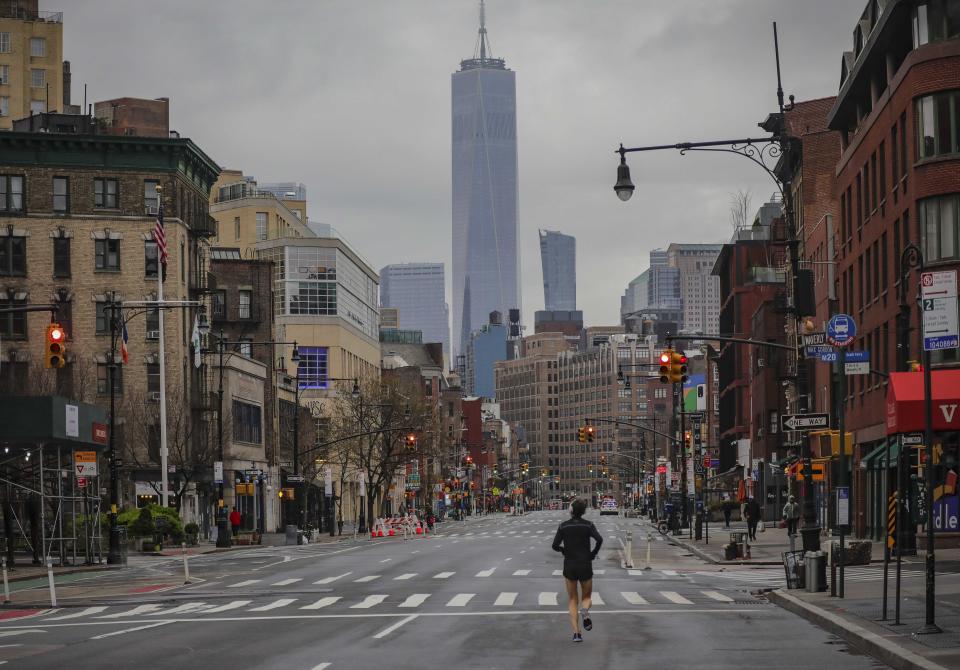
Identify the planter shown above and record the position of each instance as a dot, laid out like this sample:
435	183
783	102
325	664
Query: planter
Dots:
192	539
855	553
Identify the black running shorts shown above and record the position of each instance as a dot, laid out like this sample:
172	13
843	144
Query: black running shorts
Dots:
578	571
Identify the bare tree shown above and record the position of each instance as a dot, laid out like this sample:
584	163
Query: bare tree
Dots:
740	209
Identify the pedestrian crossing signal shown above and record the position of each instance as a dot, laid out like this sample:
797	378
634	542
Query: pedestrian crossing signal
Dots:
55	347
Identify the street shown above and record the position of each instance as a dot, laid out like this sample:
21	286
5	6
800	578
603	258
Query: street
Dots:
482	594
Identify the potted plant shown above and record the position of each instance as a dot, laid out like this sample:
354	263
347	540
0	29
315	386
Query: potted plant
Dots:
144	527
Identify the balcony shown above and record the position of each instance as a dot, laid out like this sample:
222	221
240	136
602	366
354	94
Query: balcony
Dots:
204	226
767	275
13	11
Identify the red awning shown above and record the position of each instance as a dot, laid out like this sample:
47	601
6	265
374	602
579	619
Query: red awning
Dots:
905	412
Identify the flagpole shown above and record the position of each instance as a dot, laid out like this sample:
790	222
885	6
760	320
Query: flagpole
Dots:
164	492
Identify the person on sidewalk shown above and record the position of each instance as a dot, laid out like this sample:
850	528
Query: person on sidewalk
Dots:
791	514
752	510
727	511
235	520
573	541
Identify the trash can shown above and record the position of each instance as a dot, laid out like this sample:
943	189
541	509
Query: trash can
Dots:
119	540
292	534
794	568
816	569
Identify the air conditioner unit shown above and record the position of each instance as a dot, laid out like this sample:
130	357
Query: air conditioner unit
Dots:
154	396
149	209
759	362
153	334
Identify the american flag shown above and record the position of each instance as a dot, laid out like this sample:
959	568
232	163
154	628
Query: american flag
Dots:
124	353
158	234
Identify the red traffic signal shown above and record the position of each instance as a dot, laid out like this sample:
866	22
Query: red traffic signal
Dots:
411	441
55	347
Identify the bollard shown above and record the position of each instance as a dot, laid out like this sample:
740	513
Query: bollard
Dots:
629	548
6	583
186	566
53	588
649	543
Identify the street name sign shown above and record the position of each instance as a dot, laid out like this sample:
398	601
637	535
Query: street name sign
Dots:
804	421
813	339
857	368
938	298
841	329
819	351
295	478
912	438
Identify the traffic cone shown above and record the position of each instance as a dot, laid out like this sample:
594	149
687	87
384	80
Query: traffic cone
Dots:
419	529
380	533
392	532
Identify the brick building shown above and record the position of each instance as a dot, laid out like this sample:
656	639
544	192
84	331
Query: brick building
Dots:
133	116
77	214
33	76
897	180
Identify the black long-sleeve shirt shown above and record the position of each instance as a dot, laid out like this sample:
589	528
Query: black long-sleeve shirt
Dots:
573	540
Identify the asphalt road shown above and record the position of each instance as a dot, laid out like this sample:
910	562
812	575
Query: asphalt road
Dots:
486	594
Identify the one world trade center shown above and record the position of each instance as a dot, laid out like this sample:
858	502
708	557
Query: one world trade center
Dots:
486	263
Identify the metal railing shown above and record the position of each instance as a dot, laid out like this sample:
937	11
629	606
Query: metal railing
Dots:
23	14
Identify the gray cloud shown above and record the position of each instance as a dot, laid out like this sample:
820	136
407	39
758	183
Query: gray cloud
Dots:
352	97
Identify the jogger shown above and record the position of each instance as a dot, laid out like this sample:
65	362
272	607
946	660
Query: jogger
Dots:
573	541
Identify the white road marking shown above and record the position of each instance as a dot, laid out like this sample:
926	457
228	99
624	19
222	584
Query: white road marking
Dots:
320	604
557	573
596	599
520	573
322	666
415	600
11	633
633	598
182	609
369	602
444	575
283	602
389	629
508	558
547	598
386	560
460	600
247	582
505	599
669	573
232	605
485	573
368	578
599	572
130	630
635	573
718	596
288	582
328	580
80	613
675	597
139	609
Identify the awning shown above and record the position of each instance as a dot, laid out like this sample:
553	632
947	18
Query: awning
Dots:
731	476
876	459
905	412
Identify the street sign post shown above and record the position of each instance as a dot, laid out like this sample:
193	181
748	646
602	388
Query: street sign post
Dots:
218	472
804	421
938	298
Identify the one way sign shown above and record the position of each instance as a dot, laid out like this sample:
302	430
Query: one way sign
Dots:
804	421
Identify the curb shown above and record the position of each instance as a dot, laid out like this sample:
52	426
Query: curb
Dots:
716	561
882	649
57	573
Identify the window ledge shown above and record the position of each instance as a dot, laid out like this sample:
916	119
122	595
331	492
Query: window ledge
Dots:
939	158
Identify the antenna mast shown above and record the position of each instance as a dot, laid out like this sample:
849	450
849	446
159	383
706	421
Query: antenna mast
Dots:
483	32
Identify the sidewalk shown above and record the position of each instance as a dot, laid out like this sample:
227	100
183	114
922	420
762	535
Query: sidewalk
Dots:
765	550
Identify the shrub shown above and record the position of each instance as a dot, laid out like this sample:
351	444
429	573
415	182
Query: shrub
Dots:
143	526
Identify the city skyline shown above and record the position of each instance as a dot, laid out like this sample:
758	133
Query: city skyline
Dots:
417	291
558	261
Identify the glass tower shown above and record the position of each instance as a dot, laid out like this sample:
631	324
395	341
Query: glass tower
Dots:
486	262
417	291
558	255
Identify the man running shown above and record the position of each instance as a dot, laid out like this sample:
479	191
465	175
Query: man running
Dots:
573	541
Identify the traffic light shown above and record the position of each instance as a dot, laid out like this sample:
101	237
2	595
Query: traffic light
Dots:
678	368
666	359
411	441
582	435
556	480
591	433
54	356
469	459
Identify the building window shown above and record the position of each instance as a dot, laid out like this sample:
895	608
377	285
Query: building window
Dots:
13	324
245	346
4	105
38	47
103	378
105	193
312	368
236	227
13	256
246	422
151	201
153	378
103	318
4	74
153	324
11	193
219	304
935	20
38	78
939	228
937	120
4	43
243	305
61	195
261	225
61	256
38	107
151	259
107	255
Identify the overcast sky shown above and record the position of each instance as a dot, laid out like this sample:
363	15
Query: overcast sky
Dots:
352	98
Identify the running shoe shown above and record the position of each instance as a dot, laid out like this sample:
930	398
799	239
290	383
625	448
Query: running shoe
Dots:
587	622
577	637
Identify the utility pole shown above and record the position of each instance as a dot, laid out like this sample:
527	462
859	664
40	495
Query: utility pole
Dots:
114	556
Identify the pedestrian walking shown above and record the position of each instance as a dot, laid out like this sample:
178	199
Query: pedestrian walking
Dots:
235	520
727	511
791	514
573	541
752	511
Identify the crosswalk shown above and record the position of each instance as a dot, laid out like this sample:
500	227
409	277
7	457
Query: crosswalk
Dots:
380	601
776	578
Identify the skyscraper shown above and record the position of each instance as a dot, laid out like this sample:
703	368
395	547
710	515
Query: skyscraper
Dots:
699	287
486	260
417	291
558	255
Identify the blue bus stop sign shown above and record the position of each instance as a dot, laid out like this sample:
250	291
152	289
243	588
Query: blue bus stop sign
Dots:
841	329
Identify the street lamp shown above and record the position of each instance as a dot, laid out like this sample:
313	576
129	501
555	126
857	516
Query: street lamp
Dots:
624	187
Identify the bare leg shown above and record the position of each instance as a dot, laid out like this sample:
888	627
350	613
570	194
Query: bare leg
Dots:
586	588
572	604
